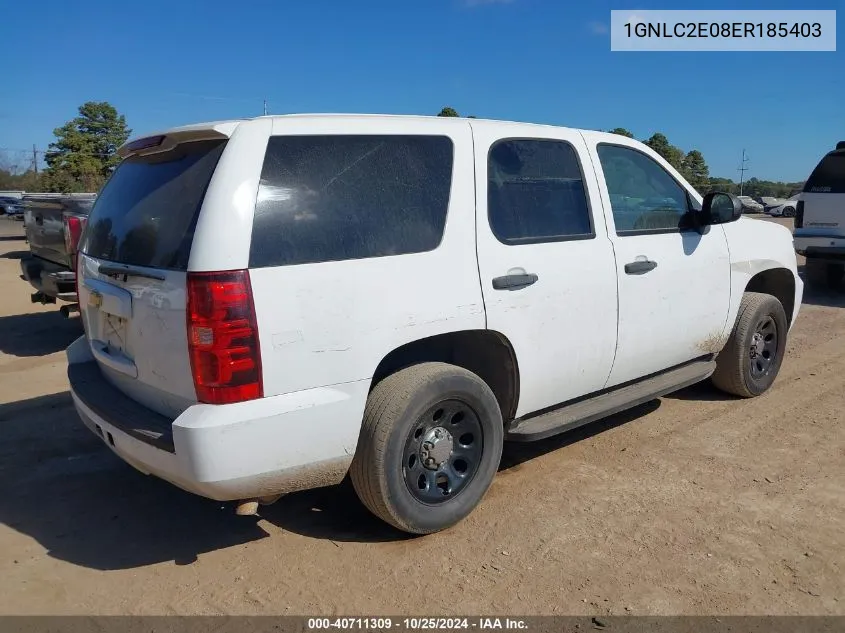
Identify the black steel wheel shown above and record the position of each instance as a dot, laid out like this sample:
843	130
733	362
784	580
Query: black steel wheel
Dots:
752	357
430	445
443	451
763	350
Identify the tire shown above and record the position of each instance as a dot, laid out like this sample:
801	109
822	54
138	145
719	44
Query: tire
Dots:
750	361
404	410
788	212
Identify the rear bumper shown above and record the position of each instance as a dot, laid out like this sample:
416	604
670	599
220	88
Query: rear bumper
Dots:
819	243
51	279
261	448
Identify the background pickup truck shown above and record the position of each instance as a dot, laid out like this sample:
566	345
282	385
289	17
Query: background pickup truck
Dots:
54	224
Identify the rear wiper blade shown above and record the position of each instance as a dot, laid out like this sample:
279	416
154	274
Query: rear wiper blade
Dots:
130	271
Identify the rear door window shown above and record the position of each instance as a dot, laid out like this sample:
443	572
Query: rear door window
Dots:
535	192
331	198
828	176
147	211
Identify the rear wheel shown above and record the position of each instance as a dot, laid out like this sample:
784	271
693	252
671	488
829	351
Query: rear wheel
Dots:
789	212
751	359
430	445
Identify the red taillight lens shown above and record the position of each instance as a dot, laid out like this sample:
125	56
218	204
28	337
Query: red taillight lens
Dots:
223	337
799	214
74	225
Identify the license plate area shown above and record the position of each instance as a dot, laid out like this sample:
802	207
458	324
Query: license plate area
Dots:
114	332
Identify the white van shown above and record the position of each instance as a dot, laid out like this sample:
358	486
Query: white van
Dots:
820	220
270	304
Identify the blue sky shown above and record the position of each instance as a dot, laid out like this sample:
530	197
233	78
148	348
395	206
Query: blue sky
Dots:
547	61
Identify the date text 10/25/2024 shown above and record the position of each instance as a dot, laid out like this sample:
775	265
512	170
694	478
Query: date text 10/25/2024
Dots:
416	624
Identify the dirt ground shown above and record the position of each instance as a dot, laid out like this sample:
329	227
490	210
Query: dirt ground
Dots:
696	503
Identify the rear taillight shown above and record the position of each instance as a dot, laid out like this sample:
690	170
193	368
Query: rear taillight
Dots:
74	225
223	337
799	214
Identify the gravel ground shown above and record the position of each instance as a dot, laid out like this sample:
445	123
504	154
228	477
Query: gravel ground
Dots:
696	503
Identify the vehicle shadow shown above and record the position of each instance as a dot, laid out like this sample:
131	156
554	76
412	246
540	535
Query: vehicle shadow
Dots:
822	296
37	333
64	488
14	255
703	391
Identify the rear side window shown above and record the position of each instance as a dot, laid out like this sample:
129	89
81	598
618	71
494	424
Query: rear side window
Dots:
535	192
828	176
147	211
331	198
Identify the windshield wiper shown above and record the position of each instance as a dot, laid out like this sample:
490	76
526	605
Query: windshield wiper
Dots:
130	271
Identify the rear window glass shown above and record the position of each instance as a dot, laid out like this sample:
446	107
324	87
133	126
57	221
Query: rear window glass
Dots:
330	198
147	212
828	176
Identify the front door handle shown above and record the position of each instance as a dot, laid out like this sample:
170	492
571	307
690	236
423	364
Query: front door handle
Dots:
514	282
640	267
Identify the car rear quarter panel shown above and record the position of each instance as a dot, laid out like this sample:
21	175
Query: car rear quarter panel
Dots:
333	322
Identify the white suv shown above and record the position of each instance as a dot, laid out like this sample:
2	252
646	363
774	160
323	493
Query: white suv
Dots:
820	220
270	304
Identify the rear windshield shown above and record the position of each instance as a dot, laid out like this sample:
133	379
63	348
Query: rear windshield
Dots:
330	198
829	176
147	212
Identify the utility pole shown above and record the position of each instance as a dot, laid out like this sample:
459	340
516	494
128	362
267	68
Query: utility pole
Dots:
742	169
35	159
265	107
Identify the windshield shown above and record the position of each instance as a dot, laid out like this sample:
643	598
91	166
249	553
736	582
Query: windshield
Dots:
147	211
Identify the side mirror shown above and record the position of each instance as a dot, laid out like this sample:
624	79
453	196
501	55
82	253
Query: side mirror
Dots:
720	208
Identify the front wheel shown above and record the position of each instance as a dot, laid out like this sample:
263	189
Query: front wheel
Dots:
430	445
789	212
751	359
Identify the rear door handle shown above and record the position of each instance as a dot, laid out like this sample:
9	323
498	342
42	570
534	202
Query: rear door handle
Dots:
640	267
514	282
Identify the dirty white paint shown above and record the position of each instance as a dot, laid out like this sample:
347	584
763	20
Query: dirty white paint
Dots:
348	315
756	246
563	327
323	328
666	313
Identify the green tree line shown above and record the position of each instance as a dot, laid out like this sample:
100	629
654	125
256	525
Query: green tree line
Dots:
84	153
694	169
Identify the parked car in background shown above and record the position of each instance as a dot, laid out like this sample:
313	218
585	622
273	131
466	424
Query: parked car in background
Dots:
786	208
820	220
770	202
11	207
53	226
270	304
749	205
